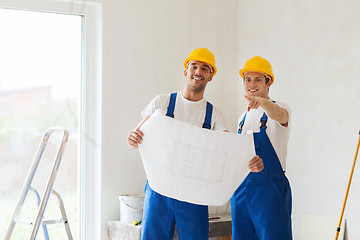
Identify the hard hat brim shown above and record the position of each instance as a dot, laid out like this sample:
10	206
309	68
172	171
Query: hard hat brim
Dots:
243	71
200	60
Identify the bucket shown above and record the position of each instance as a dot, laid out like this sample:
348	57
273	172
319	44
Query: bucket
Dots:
131	207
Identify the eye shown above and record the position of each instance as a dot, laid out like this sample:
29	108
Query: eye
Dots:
205	69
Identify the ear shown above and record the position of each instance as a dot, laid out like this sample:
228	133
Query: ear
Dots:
185	72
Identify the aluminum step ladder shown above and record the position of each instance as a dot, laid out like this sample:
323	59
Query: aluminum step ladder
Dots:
42	202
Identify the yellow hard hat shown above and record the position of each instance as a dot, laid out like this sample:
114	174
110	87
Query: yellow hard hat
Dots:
257	64
202	55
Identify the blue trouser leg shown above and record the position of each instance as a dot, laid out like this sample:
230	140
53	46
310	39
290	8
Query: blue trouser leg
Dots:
158	218
162	213
192	221
270	209
243	228
262	211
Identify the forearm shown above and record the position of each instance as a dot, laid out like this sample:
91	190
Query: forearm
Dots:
275	112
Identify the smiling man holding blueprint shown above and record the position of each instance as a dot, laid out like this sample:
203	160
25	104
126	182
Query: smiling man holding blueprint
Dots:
194	164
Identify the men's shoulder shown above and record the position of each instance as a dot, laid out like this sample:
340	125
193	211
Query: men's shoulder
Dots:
158	102
163	95
217	110
219	120
161	98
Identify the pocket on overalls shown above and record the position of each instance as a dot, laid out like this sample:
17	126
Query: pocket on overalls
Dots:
282	186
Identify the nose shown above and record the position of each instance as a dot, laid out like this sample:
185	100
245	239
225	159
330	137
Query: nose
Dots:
252	83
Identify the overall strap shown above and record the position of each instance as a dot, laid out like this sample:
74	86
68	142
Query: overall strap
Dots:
171	107
208	114
263	121
241	124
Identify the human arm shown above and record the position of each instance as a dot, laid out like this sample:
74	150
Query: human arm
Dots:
135	136
272	110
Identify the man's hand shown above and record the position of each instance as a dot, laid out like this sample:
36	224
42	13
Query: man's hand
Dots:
253	102
135	137
256	164
272	110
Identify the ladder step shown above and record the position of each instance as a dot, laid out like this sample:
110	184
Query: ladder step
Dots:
45	221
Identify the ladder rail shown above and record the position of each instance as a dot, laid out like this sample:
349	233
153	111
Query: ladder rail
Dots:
30	177
63	214
27	183
51	181
46	233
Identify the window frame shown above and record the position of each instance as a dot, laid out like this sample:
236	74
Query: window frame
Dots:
90	105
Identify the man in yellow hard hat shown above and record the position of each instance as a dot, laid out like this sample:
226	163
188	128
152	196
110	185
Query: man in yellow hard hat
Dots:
261	206
189	105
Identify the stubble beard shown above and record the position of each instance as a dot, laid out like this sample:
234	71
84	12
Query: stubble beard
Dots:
197	89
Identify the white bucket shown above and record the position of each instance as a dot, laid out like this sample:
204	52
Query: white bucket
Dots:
131	207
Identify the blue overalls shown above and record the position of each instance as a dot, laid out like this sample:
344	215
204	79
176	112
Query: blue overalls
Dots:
261	206
162	213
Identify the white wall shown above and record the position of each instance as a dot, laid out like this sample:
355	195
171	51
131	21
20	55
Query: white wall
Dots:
144	46
314	49
313	46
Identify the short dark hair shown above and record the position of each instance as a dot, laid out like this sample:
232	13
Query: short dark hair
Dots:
208	64
267	79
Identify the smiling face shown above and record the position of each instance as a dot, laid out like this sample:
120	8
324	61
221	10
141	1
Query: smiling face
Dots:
198	74
255	85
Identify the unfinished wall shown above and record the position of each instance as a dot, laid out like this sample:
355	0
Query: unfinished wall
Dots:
314	49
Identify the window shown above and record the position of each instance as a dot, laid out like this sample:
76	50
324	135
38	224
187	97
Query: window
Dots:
40	78
89	108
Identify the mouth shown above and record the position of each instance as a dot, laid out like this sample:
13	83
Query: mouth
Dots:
252	90
197	78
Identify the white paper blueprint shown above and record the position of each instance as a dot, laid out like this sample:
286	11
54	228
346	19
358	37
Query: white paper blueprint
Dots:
193	164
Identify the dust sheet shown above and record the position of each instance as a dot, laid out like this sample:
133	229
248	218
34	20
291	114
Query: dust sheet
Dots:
193	164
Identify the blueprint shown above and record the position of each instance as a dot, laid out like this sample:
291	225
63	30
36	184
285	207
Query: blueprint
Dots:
193	164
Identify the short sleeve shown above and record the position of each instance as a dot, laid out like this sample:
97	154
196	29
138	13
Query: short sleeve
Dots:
285	106
158	102
220	123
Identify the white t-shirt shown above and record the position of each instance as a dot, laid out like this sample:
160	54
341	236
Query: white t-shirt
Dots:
278	134
187	111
